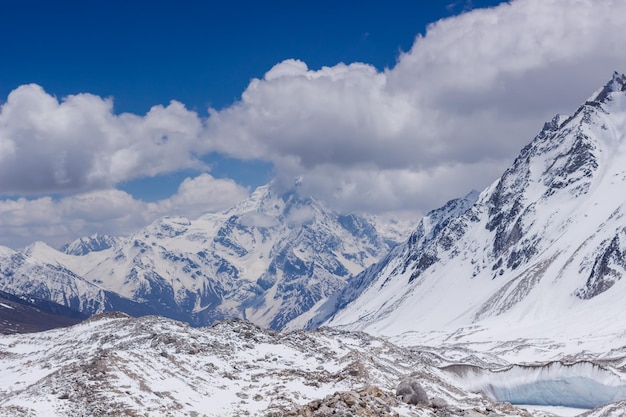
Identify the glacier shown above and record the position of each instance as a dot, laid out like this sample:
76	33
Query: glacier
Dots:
583	385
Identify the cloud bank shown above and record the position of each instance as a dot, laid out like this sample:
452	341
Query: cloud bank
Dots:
111	211
448	117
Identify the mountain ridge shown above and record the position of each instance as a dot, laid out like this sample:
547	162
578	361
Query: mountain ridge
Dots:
269	259
542	242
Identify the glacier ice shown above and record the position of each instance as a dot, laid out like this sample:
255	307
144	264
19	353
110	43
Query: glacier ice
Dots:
578	385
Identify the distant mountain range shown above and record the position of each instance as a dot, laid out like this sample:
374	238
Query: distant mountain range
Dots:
273	259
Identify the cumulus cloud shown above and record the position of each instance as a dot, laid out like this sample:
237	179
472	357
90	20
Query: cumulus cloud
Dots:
79	144
200	195
108	211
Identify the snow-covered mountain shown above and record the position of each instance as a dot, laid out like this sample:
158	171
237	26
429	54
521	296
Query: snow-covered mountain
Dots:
93	243
540	254
38	272
271	259
429	227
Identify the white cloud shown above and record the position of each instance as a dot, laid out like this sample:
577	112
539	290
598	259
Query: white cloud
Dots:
298	216
200	195
257	219
79	144
108	211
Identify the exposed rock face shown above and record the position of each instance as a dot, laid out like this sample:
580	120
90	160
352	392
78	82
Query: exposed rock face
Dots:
368	402
94	243
609	266
400	259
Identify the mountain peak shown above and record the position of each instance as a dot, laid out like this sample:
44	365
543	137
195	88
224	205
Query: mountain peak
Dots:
617	84
84	245
37	247
169	226
472	196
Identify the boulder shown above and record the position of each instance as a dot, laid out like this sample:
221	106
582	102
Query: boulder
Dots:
410	391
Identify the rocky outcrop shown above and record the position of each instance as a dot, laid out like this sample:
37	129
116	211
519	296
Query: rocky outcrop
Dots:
116	365
368	402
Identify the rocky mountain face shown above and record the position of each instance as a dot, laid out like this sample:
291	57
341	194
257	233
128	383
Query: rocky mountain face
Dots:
397	260
37	273
539	253
273	259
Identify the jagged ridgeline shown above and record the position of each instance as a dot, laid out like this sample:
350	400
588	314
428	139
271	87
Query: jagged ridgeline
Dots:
273	259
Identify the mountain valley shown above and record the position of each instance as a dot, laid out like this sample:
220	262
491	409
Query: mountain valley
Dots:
507	302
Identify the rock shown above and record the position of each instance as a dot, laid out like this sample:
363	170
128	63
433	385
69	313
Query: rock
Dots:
439	402
369	402
323	411
411	392
372	391
350	398
473	413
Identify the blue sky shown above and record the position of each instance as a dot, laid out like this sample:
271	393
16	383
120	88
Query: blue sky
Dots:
202	53
115	113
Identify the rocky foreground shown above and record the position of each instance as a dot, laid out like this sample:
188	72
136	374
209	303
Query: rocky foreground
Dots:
114	365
